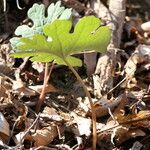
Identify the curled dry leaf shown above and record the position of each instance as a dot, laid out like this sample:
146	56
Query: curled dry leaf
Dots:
4	128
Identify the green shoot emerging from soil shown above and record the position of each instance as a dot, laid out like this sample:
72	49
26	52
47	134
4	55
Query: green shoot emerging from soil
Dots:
55	42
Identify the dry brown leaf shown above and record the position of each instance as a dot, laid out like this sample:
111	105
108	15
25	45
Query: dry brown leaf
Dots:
44	136
20	88
40	137
120	125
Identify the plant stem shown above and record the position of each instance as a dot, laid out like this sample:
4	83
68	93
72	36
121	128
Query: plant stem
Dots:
46	78
90	101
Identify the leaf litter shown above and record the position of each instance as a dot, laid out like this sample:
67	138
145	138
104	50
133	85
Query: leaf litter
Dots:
64	122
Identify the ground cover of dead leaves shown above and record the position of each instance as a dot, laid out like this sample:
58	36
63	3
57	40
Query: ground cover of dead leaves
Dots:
64	120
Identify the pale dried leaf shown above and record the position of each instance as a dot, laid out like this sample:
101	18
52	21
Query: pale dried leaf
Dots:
83	125
38	66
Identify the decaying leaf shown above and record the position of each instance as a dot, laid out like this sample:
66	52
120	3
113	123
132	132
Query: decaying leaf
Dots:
137	146
44	136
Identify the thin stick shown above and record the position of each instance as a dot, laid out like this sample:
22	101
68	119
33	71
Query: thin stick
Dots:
90	101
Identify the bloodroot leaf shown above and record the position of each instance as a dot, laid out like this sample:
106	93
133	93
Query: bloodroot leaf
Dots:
88	35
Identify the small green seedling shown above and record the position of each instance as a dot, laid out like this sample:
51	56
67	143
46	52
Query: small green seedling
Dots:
55	42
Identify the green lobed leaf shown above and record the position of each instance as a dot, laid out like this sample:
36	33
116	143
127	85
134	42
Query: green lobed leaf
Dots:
37	14
88	35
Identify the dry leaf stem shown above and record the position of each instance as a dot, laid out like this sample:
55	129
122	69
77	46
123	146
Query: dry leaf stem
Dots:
46	78
90	101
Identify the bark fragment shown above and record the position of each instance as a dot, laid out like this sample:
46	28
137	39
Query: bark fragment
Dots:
105	68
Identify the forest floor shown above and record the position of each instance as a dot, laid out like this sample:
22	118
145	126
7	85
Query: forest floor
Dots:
64	121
